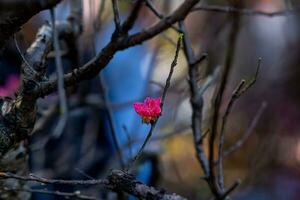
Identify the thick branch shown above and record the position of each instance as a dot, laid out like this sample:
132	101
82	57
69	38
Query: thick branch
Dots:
117	180
123	181
128	24
18	116
197	105
95	65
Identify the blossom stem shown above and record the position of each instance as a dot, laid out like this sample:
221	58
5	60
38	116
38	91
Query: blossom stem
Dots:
167	85
138	155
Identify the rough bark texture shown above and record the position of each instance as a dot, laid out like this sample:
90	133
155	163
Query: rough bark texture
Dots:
120	179
14	160
18	115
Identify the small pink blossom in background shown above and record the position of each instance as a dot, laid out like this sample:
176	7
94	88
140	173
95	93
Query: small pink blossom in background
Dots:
11	85
149	110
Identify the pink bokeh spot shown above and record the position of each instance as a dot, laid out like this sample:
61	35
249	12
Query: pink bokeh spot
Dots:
149	110
11	86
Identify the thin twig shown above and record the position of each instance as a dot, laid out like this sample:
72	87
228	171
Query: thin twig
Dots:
208	82
203	136
218	100
131	19
150	5
240	90
233	98
247	12
116	16
168	135
251	82
84	174
45	119
167	85
107	106
199	59
154	10
35	178
230	189
129	140
249	130
139	153
75	195
58	130
92	18
173	65
111	121
20	52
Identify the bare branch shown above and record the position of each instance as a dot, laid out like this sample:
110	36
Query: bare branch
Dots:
167	85
35	178
230	189
95	65
116	16
60	73
249	130
121	179
131	19
240	90
187	47
117	180
208	82
173	65
199	59
252	82
111	121
197	104
23	113
151	6
75	195
219	97
246	12
20	113
234	97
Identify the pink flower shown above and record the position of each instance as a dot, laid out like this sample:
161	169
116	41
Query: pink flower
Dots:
150	110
